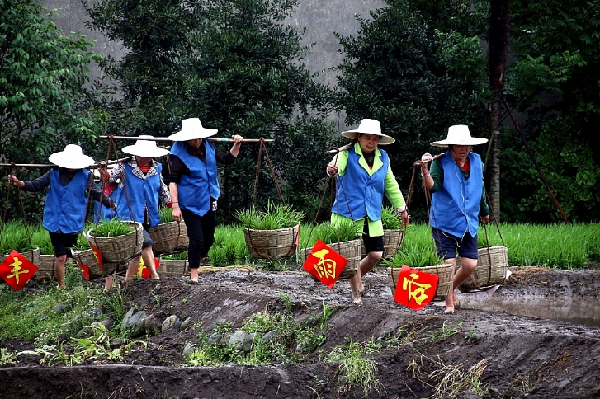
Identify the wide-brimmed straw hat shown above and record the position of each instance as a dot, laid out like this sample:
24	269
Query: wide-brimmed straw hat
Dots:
459	135
192	129
71	157
145	148
369	126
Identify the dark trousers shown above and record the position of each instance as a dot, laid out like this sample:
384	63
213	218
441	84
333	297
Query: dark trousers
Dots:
201	232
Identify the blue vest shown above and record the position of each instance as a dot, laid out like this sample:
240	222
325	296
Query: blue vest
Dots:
358	193
65	206
142	194
455	206
194	191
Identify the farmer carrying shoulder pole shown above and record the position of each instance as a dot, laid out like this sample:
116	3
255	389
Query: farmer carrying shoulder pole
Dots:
194	186
142	190
364	177
66	201
458	203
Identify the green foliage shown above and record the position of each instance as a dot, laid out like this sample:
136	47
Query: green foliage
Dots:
275	216
553	80
44	102
111	228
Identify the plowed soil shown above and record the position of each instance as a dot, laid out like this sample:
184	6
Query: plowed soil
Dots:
468	354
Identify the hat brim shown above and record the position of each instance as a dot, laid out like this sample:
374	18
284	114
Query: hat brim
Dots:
472	141
191	135
384	138
61	161
145	152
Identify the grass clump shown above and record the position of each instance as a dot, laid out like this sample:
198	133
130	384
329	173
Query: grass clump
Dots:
356	370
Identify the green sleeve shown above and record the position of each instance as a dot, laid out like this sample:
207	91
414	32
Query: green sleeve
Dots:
392	190
437	174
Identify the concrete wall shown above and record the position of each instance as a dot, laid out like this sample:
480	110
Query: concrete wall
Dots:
321	18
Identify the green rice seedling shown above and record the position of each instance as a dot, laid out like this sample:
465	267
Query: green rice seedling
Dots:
178	256
389	219
41	238
217	256
345	231
274	217
15	235
111	228
166	215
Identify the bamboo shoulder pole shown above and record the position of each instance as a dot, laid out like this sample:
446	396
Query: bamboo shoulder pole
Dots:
51	165
213	139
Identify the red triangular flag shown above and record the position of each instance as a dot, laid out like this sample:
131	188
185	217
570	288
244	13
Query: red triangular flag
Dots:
143	271
324	263
16	270
98	254
85	270
414	288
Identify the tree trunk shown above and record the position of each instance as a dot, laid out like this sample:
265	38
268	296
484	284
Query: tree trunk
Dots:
498	50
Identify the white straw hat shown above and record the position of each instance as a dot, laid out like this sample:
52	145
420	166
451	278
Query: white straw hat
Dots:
192	129
145	148
459	135
369	126
71	157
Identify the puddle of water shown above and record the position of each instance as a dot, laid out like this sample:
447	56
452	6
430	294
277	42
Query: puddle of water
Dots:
572	310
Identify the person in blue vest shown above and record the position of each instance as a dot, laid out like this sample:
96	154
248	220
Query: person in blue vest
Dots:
457	203
364	178
194	186
65	208
142	190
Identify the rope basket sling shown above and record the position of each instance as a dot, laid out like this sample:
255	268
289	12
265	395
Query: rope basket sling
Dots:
169	238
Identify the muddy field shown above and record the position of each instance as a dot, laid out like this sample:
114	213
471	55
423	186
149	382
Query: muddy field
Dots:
468	354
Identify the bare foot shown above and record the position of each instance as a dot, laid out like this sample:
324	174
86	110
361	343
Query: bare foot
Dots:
356	296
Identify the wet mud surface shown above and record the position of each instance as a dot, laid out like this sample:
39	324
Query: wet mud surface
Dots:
468	354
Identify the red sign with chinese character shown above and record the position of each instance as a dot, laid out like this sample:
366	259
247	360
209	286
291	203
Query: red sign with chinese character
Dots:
16	270
324	263
415	289
143	271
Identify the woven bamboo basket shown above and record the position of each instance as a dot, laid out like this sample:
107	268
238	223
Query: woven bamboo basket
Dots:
444	273
121	248
169	238
172	268
349	250
87	258
271	244
33	255
46	267
491	268
392	239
